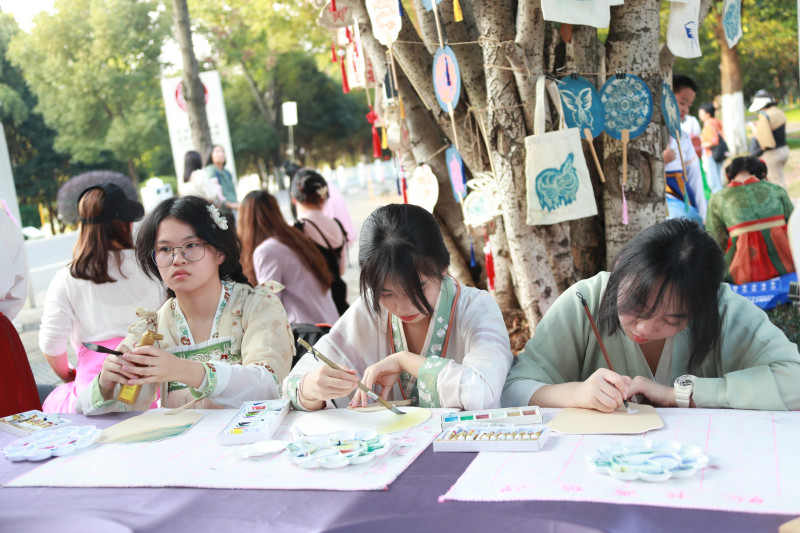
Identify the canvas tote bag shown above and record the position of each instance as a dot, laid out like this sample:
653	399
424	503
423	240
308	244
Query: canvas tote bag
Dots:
557	180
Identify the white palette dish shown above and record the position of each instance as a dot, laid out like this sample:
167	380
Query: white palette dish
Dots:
51	443
648	460
337	449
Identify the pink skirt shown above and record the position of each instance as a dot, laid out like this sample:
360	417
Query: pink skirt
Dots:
64	397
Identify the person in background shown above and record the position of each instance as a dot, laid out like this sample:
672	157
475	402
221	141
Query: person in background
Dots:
415	331
690	126
673	331
274	250
197	181
770	136
335	207
18	391
748	220
309	193
712	132
215	166
94	298
685	91
222	341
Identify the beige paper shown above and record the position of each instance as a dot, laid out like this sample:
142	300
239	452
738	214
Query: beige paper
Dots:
383	421
150	426
574	421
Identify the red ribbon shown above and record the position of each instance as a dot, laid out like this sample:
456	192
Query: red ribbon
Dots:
345	85
372	118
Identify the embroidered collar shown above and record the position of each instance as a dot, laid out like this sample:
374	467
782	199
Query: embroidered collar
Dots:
747	181
183	326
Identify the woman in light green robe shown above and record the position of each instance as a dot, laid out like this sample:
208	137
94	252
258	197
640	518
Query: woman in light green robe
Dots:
662	313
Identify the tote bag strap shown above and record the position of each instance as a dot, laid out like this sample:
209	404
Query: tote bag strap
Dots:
539	112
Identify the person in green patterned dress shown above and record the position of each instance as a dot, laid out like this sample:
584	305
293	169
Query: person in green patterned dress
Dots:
748	219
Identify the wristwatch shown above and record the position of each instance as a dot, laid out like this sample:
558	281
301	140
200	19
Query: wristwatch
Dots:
684	387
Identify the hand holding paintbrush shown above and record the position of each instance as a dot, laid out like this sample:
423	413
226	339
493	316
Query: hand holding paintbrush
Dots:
599	341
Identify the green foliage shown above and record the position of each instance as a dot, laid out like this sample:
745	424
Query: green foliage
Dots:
767	50
94	65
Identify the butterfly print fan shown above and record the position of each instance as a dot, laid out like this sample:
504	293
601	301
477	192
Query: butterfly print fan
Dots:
583	109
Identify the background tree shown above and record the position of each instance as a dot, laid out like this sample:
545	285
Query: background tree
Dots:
94	66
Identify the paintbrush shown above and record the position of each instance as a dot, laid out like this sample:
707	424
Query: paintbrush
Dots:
599	340
361	386
101	349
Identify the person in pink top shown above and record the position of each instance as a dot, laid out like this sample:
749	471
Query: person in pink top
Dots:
309	194
274	250
95	297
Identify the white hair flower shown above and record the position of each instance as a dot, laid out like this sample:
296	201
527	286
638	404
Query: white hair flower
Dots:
220	221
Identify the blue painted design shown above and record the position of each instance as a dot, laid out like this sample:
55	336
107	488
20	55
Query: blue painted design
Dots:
428	4
732	20
583	107
628	105
557	187
446	78
669	108
691	29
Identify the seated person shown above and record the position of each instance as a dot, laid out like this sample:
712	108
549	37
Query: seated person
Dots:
415	331
748	219
664	318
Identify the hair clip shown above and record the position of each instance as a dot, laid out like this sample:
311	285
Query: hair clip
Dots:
220	221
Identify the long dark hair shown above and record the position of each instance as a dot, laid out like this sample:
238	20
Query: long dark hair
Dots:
675	255
260	218
191	162
750	164
191	210
400	243
96	241
210	151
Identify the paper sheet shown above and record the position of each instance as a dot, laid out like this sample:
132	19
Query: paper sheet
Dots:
195	460
754	466
382	421
151	426
573	421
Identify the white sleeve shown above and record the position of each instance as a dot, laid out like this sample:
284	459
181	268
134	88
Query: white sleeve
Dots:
58	319
13	268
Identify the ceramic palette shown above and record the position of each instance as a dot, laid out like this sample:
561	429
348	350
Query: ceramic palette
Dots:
648	460
337	449
52	442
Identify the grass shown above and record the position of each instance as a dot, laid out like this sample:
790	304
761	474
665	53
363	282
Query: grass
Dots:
787	318
793	114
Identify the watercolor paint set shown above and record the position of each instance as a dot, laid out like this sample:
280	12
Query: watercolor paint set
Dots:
255	421
23	424
526	438
508	416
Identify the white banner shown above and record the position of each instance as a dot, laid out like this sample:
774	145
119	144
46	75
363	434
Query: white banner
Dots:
180	135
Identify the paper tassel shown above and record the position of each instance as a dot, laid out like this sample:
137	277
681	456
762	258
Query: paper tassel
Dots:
333	6
457	14
400	7
334	58
405	193
487	249
348	35
372	118
384	140
345	85
402	108
624	208
471	253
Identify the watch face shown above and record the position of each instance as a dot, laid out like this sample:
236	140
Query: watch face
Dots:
684	381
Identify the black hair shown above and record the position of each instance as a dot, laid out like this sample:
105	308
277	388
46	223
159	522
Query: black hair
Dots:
679	81
191	162
308	187
708	107
750	164
210	151
191	210
676	254
400	243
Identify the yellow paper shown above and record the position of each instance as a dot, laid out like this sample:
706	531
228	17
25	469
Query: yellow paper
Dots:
384	421
574	421
150	426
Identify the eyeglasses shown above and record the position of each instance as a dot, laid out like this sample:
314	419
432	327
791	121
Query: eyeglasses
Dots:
191	251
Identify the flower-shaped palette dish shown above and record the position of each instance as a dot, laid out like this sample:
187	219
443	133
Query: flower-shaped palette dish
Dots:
337	449
51	442
648	460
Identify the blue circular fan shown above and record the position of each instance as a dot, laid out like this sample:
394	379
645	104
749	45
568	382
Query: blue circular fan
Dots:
669	108
628	105
582	105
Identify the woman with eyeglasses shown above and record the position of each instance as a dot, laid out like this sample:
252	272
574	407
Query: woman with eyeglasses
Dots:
224	342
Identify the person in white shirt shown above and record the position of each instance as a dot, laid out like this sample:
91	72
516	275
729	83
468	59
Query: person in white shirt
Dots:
94	298
678	184
13	268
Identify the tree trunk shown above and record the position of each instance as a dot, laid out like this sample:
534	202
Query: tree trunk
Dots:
534	282
733	125
133	174
632	46
193	92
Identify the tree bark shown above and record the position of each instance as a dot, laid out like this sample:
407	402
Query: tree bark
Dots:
534	282
193	92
